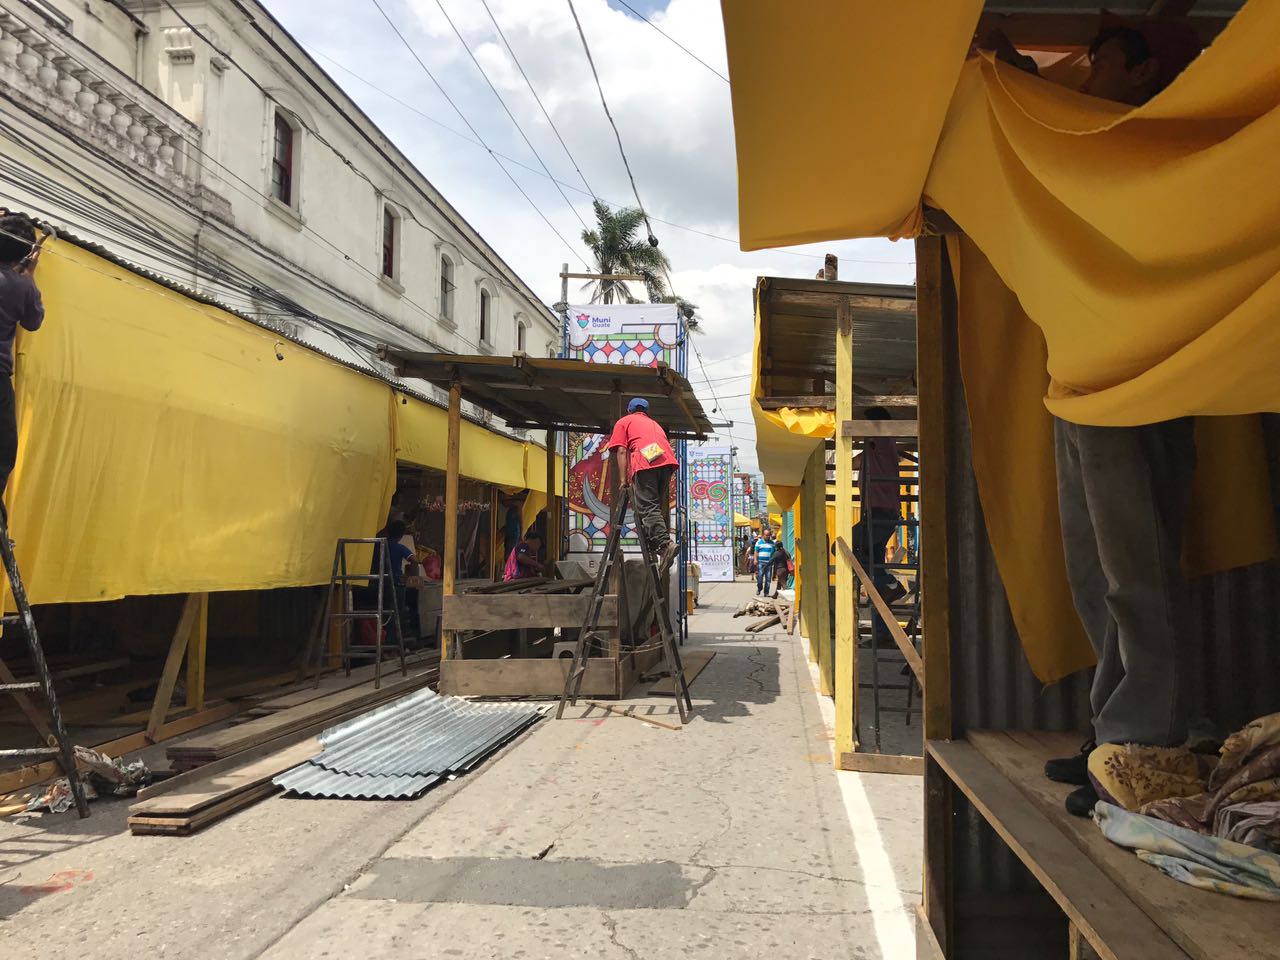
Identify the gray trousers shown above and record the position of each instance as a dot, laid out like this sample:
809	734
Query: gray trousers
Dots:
1123	495
650	489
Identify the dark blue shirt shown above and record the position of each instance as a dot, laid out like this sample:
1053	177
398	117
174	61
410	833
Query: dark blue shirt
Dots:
20	306
399	554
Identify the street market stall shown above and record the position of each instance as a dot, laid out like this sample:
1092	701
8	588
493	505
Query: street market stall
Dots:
1105	264
557	396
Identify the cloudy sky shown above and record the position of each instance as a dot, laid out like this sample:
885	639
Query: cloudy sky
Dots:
675	121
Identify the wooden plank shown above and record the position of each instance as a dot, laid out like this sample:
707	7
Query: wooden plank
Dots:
858	303
887	616
879	428
451	505
764	624
818	570
27	706
1207	926
846	652
927	946
169	675
196	655
526	678
216	787
1107	918
223	743
695	661
805	402
183	826
335	682
523	610
553	506
619	712
882	763
617	586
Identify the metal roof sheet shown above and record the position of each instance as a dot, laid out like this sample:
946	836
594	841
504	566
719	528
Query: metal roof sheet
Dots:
402	749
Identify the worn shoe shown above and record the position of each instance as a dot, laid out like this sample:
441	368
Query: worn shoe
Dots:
1081	801
669	554
1072	770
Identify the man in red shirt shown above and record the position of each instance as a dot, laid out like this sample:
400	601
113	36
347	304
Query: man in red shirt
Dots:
650	466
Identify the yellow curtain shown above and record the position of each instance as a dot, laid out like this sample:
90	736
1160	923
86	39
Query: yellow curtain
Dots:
1144	243
166	449
422	431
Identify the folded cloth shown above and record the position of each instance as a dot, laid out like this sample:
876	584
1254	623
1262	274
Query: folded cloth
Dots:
1253	824
1240	778
1131	775
1209	863
1253	737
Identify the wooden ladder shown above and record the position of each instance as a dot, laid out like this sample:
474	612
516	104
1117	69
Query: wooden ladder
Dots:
590	637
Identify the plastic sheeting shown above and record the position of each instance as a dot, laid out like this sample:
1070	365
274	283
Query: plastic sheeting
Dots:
168	446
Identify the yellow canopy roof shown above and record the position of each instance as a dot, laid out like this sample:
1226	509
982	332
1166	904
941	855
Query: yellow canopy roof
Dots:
740	521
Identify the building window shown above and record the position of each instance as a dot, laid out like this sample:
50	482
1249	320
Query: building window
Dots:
390	242
447	286
282	160
486	316
522	331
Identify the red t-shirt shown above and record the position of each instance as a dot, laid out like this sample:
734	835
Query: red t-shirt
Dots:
645	440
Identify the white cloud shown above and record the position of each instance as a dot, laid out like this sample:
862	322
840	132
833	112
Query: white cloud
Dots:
674	117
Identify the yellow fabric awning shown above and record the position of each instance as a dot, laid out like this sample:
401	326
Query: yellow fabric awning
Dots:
167	446
1142	242
786	438
740	521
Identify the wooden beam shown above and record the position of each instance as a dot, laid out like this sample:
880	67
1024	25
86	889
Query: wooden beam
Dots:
553	506
516	611
452	459
496	513
886	614
935	348
800	402
169	675
856	302
846	651
27	706
617	462
197	648
879	428
817	570
881	763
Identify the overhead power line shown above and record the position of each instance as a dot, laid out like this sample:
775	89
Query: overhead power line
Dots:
511	116
545	112
674	40
586	47
474	132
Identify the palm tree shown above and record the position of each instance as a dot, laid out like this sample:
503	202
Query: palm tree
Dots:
686	310
618	250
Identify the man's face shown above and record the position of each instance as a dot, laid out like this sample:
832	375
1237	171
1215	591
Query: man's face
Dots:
1111	78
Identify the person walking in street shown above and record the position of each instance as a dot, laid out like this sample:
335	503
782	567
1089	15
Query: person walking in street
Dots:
766	547
651	464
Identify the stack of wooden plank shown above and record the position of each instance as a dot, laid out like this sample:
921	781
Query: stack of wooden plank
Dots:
186	805
774	612
307	716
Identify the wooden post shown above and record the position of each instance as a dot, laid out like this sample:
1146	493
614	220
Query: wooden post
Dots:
196	655
817	569
935	364
553	505
172	664
846	668
495	534
451	505
617	471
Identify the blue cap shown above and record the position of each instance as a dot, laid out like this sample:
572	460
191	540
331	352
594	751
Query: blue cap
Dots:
637	403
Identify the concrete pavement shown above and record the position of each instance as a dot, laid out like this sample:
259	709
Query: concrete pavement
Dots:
598	836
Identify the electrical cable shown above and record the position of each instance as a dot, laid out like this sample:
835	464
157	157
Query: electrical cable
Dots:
569	186
476	133
674	40
538	99
516	123
605	103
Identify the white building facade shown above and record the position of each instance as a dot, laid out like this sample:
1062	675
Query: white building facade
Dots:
197	139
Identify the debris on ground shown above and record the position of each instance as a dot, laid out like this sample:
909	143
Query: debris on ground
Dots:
101	775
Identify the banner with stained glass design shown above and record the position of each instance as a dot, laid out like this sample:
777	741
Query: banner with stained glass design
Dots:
639	334
711	511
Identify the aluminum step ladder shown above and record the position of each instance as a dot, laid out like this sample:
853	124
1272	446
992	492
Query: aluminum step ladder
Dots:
590	636
58	745
384	614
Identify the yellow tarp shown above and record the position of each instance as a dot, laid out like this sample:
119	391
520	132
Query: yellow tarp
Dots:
165	449
1143	243
740	521
786	438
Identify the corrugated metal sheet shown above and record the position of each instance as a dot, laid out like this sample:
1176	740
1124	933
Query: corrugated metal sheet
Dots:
402	749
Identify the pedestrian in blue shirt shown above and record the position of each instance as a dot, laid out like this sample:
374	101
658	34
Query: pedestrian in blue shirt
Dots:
765	548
